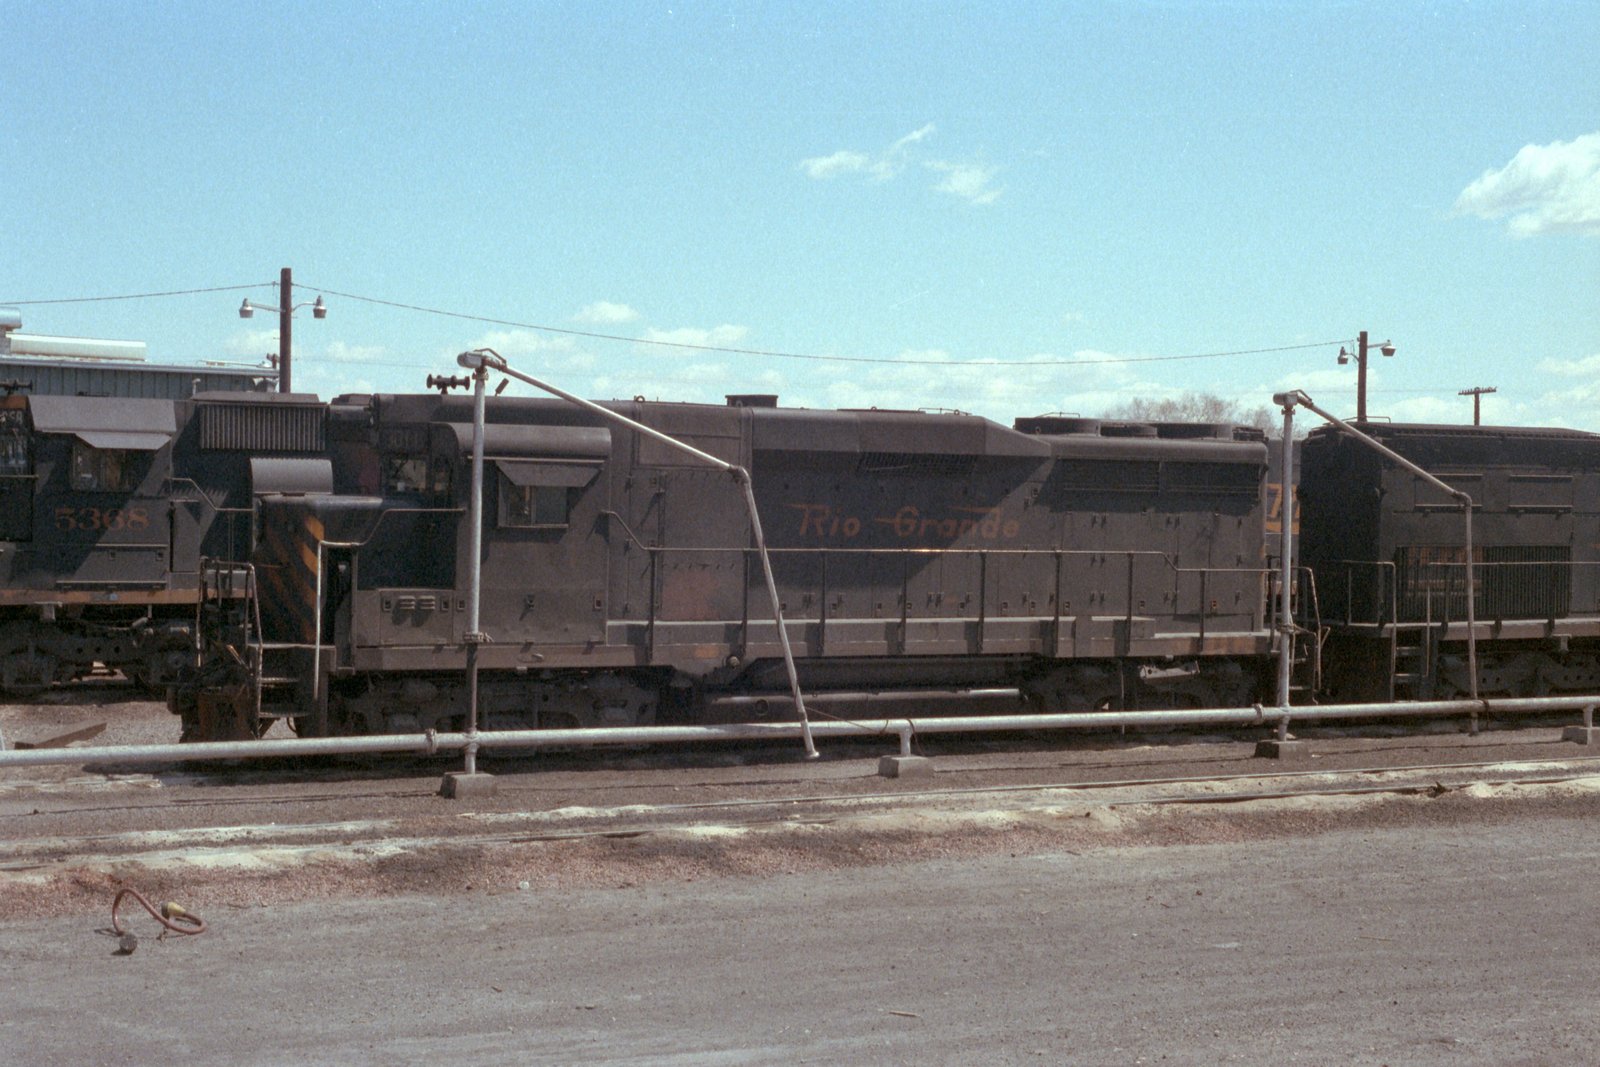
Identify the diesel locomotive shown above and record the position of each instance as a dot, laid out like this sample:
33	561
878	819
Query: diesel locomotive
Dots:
1387	559
107	506
924	560
268	557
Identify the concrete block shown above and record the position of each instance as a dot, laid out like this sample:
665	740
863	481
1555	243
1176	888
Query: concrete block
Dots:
1581	735
1284	750
905	767
459	785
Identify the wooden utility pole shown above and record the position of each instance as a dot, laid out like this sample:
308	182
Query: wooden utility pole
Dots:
1476	393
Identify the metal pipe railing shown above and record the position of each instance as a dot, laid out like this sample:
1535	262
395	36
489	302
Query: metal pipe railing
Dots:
904	729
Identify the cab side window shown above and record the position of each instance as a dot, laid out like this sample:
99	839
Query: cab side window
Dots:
531	506
103	469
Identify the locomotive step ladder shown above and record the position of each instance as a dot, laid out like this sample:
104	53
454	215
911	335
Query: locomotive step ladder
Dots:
1309	633
1305	662
1413	660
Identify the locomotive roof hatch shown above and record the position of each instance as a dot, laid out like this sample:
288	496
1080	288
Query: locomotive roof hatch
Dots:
133	423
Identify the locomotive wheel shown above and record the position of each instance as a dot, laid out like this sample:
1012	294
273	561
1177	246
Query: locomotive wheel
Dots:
1065	690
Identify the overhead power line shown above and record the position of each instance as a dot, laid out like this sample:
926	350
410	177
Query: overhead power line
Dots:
690	346
487	320
135	296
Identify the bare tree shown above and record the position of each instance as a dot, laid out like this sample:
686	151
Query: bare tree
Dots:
1197	407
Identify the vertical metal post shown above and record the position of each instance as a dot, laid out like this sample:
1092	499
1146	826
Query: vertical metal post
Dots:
474	637
905	600
822	607
1286	581
983	597
742	476
1472	615
285	318
1055	621
1361	376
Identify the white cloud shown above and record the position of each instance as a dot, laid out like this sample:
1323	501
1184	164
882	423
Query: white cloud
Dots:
1578	397
973	182
717	336
607	313
1587	367
562	354
253	343
1436	409
911	138
881	167
970	181
339	352
842	162
1552	188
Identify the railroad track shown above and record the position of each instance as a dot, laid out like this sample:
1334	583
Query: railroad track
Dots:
270	843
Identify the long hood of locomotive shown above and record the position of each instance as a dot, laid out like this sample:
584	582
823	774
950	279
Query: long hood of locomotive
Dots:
891	534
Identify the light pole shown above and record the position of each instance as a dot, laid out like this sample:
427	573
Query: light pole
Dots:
1476	393
286	309
1360	356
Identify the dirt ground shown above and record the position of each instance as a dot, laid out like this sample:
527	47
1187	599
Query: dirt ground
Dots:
246	836
1445	930
1405	896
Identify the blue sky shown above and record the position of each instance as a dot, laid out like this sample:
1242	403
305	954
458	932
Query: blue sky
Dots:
945	188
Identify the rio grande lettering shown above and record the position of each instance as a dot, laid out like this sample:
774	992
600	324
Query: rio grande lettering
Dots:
908	523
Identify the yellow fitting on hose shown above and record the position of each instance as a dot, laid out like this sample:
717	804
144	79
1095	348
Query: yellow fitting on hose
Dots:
173	910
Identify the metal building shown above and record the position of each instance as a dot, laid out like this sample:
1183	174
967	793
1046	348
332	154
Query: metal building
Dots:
82	366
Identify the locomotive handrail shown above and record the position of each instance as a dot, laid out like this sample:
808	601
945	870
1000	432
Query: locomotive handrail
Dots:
969	550
1397	606
632	537
1126	612
1348	567
171	480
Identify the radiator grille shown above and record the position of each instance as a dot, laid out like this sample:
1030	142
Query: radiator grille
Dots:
1212	479
1107	476
263	427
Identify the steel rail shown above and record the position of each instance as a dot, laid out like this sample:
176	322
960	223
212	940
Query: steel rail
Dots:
789	800
905	729
46	853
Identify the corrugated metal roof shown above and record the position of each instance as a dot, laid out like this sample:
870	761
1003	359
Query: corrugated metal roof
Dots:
66	377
